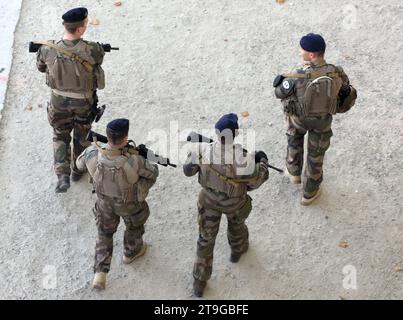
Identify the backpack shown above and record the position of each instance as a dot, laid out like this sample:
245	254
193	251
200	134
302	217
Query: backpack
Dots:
72	68
315	93
110	179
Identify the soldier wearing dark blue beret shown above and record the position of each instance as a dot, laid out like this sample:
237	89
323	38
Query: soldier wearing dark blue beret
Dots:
120	126
313	43
75	22
310	96
117	129
228	121
74	73
122	180
226	174
75	15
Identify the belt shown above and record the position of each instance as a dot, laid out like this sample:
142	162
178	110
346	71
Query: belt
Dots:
73	95
216	192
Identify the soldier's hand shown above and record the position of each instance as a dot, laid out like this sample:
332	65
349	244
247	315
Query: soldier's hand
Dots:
143	151
260	155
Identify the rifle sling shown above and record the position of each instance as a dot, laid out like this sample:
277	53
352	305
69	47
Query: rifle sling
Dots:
234	182
87	65
311	75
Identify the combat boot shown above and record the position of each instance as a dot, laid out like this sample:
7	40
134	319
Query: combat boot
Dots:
293	179
99	281
128	260
234	258
76	176
308	201
63	183
198	287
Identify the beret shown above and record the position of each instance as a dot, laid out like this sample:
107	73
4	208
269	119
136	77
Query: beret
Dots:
119	126
228	121
75	15
313	43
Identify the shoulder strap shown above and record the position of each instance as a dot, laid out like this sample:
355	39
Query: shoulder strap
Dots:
88	66
311	75
232	181
106	152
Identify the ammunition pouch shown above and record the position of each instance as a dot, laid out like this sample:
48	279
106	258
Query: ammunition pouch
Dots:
292	106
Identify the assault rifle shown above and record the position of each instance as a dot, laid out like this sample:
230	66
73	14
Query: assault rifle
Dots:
141	149
34	46
198	138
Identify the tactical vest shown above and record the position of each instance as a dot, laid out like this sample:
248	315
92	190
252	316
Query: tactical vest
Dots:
221	178
315	93
70	74
110	179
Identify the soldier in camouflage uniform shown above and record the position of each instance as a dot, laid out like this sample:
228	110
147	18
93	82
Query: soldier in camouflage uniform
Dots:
310	97
226	173
73	72
121	179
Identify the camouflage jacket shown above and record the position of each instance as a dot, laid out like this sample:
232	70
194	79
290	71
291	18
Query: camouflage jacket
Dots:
97	53
139	172
226	174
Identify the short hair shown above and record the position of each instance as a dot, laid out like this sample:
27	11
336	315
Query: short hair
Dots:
320	53
72	27
115	137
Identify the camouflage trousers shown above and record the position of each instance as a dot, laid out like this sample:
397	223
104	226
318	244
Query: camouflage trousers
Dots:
66	115
319	134
107	215
209	224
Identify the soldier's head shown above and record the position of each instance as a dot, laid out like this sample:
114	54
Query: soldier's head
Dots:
227	128
117	132
313	47
75	21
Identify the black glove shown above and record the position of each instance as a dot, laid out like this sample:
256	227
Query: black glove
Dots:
143	151
259	156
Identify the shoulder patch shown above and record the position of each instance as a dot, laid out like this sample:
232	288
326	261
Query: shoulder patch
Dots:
97	51
131	161
91	152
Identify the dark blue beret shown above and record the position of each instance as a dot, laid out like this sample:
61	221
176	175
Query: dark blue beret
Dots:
75	15
120	126
228	121
313	43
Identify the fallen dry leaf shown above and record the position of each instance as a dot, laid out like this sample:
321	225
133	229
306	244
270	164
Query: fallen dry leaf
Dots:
94	22
343	244
280	1
117	3
245	114
28	108
398	269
